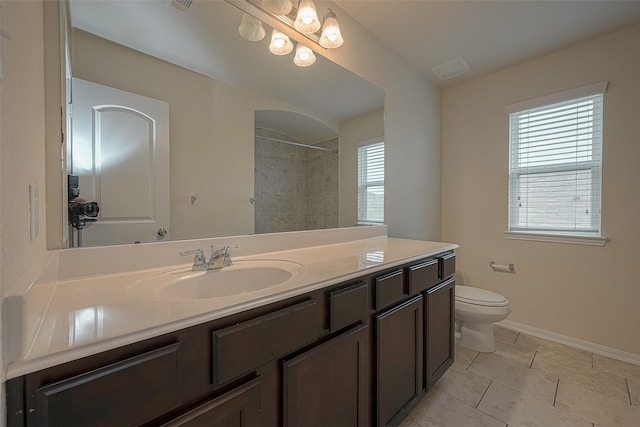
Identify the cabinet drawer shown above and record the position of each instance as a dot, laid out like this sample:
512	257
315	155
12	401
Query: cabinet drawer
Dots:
447	265
422	276
246	346
388	289
117	394
347	306
238	407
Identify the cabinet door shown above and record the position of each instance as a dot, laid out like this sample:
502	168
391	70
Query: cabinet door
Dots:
238	407
329	384
439	325
399	360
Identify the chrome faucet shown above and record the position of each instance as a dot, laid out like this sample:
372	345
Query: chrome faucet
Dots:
220	257
199	261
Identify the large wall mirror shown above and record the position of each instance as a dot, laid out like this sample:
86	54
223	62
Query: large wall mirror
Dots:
182	129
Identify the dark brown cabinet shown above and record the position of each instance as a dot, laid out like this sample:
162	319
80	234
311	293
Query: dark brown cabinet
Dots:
239	407
116	393
240	348
399	360
439	327
329	384
357	353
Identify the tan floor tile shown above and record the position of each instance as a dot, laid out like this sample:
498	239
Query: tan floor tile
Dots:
517	375
521	353
464	356
543	345
634	392
623	369
607	384
505	335
595	407
562	363
439	409
465	385
518	409
408	423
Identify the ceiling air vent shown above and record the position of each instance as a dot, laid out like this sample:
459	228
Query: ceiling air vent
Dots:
180	5
450	69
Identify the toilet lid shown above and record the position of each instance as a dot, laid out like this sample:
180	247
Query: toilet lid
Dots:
477	296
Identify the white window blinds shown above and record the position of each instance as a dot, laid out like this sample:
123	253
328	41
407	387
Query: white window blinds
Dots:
555	167
371	183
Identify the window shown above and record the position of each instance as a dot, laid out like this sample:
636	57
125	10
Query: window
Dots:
371	184
555	163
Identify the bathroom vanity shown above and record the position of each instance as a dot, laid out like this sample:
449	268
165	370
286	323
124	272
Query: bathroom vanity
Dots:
355	338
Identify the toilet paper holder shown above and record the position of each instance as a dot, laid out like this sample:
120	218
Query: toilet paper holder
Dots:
511	268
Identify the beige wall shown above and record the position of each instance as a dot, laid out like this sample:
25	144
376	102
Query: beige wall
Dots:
590	293
22	153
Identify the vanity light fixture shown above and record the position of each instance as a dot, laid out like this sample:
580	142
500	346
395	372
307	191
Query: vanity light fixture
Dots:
278	7
304	56
251	28
331	36
280	43
307	18
288	22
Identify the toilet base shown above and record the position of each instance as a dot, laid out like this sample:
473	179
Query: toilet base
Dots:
477	337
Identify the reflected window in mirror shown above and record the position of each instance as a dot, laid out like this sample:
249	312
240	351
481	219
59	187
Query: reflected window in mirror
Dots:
371	183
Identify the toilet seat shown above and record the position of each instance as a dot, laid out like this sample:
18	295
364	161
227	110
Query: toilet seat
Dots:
480	297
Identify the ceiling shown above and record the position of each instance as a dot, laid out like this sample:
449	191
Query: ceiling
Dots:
489	35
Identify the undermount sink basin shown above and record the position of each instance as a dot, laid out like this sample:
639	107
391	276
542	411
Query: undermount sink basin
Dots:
241	277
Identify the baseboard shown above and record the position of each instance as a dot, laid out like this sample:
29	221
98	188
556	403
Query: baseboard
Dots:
602	350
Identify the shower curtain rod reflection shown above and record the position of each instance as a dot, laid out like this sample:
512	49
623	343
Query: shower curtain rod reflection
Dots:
298	144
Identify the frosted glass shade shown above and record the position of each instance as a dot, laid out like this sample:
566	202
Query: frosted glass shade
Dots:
304	56
331	36
251	28
280	43
307	18
278	7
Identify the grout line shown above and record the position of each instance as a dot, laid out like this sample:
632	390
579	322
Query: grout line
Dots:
485	392
534	358
626	380
516	338
555	396
592	362
474	359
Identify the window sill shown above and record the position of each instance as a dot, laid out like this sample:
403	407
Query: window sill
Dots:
557	238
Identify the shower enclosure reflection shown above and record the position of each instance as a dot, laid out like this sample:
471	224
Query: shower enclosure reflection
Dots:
296	184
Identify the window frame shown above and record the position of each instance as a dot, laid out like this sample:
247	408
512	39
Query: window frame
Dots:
593	236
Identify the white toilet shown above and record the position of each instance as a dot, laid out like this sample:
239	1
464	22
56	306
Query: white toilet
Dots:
476	311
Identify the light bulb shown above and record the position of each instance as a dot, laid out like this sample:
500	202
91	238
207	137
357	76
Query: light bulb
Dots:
304	56
307	18
278	7
251	28
331	36
280	43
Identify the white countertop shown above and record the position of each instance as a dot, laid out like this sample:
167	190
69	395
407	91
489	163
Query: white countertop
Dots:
79	317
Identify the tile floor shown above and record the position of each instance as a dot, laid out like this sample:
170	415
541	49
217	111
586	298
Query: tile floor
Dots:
529	381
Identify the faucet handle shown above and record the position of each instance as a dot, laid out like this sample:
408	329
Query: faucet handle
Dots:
199	258
226	249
